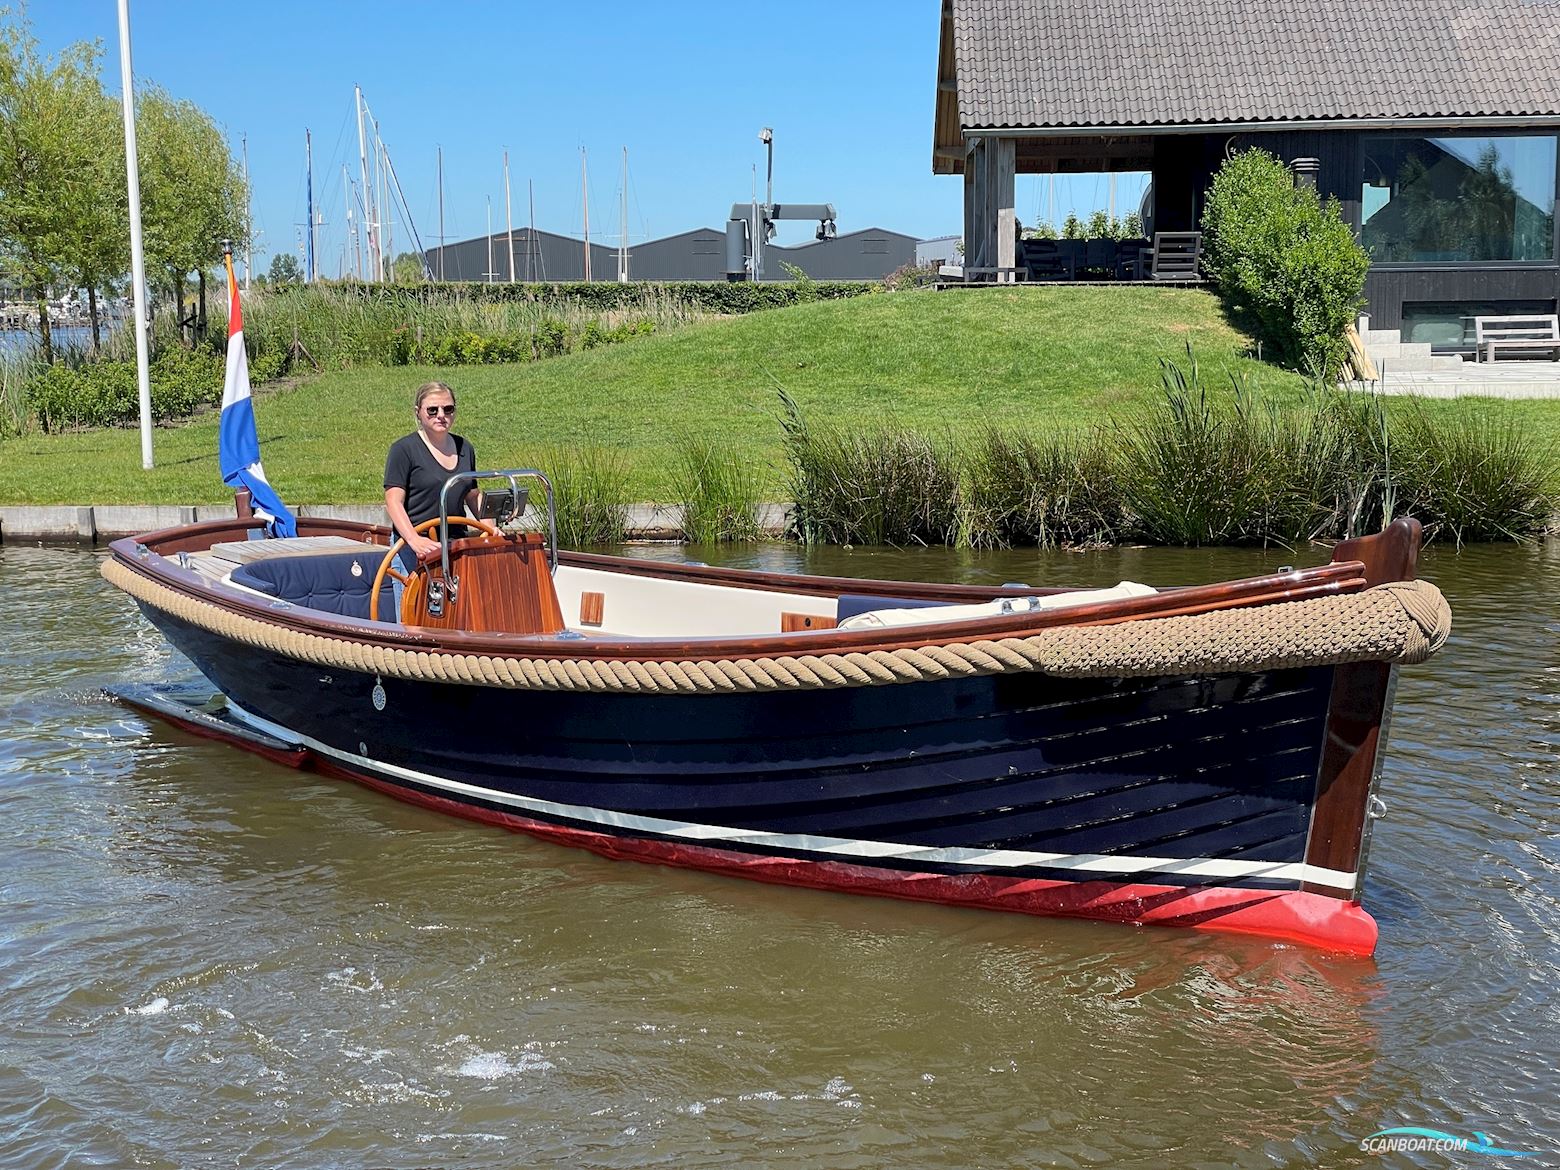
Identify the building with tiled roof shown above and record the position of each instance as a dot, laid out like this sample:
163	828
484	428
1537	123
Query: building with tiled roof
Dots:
1433	122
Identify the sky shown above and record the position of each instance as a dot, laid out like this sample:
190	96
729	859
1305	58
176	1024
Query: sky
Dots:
684	85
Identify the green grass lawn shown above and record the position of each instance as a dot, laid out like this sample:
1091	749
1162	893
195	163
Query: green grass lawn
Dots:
941	362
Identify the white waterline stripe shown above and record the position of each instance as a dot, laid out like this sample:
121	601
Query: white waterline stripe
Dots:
1203	867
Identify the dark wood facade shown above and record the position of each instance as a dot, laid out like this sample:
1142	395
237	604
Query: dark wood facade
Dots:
1184	165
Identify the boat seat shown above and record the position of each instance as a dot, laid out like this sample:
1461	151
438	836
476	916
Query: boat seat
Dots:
332	583
851	604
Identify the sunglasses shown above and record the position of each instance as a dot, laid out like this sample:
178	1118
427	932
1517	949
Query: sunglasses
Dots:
435	411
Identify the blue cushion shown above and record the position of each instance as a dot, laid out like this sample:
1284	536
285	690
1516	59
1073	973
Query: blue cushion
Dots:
326	583
850	604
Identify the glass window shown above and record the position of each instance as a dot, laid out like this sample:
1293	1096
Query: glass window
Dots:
1448	325
1459	199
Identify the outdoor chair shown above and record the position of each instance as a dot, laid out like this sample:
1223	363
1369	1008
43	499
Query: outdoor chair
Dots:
1129	258
1175	256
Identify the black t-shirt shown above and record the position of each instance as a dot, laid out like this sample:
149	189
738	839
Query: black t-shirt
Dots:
411	466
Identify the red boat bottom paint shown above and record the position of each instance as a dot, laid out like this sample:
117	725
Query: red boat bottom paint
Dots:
1291	916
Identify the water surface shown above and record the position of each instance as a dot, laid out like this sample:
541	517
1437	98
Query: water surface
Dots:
209	960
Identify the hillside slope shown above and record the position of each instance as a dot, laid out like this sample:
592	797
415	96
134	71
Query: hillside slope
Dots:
942	362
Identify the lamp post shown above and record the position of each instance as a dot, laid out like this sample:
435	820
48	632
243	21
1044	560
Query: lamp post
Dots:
761	214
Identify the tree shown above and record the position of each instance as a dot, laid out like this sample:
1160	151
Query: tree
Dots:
407	268
192	192
95	239
50	124
284	270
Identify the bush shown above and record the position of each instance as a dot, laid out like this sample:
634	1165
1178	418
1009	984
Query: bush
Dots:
1285	258
185	380
95	395
101	394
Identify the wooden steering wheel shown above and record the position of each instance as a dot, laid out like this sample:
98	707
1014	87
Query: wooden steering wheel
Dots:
400	543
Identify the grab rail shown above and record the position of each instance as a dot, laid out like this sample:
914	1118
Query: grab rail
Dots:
511	475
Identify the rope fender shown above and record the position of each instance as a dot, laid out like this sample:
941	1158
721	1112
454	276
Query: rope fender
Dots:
1405	621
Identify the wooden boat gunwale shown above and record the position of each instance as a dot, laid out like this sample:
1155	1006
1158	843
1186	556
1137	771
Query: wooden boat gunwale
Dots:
1337	577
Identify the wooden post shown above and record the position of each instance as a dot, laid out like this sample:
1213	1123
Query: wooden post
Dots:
1003	161
970	233
975	247
243	504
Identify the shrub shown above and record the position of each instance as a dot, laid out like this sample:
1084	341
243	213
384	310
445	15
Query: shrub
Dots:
185	380
1285	258
95	395
908	276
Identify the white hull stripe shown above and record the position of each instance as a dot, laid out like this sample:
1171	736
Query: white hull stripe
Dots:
1083	864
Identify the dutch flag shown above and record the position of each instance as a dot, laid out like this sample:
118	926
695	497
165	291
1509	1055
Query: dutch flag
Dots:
238	444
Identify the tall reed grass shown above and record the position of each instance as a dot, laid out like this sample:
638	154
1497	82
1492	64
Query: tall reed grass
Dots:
341	330
1047	490
590	494
1198	468
720	496
887	485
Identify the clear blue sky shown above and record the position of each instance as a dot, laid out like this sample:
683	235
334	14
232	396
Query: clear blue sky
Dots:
847	86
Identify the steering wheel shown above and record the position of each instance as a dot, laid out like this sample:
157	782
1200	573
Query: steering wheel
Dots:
400	542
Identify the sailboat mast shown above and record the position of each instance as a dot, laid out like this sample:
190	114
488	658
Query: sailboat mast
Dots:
623	226
585	200
441	213
368	216
308	202
382	165
490	273
249	243
509	222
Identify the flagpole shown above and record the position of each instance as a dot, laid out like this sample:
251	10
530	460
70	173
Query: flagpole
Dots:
137	260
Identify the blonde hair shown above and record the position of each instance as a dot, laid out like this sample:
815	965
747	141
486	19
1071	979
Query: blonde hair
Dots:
428	388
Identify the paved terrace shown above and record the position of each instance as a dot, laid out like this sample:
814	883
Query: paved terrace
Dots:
1520	379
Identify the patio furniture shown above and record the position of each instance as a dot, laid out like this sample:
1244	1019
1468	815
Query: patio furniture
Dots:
1175	256
1130	264
1046	261
1099	257
1524	334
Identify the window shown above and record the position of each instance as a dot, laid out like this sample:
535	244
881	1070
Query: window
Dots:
1448	325
1454	199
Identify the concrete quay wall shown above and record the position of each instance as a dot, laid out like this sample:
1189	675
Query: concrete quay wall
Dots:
100	523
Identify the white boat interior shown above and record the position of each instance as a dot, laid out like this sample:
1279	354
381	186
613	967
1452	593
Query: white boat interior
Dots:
335	574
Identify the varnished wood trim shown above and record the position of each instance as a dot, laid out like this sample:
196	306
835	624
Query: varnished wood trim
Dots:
791	623
1355	716
592	607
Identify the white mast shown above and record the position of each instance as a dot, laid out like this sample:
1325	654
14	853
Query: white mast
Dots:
137	261
623	225
509	222
368	217
249	244
585	200
531	249
441	213
490	273
384	205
